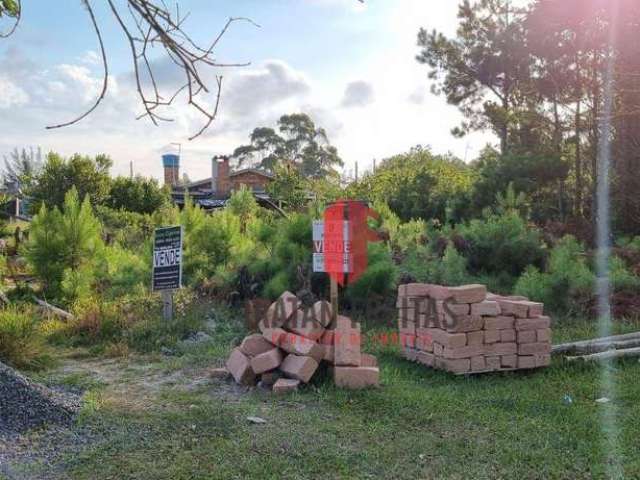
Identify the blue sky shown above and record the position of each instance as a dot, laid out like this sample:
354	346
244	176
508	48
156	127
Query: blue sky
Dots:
350	66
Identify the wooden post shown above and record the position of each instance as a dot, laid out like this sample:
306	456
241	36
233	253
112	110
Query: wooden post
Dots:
167	305
334	301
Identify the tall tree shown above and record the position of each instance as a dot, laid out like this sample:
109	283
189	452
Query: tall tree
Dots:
89	176
484	70
298	143
21	167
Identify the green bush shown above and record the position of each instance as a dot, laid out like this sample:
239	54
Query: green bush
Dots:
567	285
378	281
21	340
502	244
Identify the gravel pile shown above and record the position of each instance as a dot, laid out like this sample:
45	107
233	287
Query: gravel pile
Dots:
25	405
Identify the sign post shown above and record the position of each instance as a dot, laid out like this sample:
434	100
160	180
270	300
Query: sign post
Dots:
167	266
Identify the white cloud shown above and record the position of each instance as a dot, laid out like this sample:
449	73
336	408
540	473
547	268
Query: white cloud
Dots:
11	95
358	94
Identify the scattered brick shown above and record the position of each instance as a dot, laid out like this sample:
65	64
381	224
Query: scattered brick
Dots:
299	367
266	361
519	309
281	310
298	345
269	378
356	377
285	385
368	360
239	366
305	325
347	342
255	345
322	312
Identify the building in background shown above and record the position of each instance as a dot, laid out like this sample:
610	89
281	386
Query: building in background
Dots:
213	192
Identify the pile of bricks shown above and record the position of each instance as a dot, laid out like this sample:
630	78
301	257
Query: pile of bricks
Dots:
294	342
468	330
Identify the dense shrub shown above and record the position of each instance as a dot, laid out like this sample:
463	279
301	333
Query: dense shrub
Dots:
502	244
21	340
378	281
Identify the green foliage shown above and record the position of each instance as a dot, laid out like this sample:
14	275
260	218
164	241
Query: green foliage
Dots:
90	177
512	202
138	194
64	247
423	265
9	8
378	281
243	204
567	285
299	143
419	184
21	167
21	340
288	187
129	229
502	244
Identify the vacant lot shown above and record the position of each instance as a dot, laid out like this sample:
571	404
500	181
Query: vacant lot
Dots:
163	418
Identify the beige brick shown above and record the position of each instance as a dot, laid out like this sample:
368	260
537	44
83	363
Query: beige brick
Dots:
281	310
298	367
509	361
413	290
468	293
266	361
412	303
298	345
239	366
464	352
527	336
507	336
475	338
501	322
424	343
465	324
304	325
450	309
355	378
501	349
486	308
438	292
327	338
534	349
407	328
255	345
535	309
544	335
527	361
329	353
271	377
426	358
493	362
533	323
347	342
478	364
407	340
285	385
519	309
407	315
491	336
274	335
543	360
454	366
368	360
446	339
321	312
438	349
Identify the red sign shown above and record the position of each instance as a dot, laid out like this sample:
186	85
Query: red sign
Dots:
347	266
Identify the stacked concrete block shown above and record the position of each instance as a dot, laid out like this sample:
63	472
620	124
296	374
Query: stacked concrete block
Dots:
295	341
468	330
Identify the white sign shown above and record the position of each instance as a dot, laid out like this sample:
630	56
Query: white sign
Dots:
320	247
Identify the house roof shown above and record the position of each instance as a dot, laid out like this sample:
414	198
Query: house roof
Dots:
257	171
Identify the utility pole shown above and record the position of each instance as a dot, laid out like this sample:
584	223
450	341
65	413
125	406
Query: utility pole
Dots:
356	172
131	169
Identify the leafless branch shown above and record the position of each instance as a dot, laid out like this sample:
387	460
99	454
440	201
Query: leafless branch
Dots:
105	65
148	24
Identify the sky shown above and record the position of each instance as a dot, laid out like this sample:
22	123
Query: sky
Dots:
350	66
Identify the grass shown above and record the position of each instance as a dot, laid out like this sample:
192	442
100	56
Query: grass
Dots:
419	424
